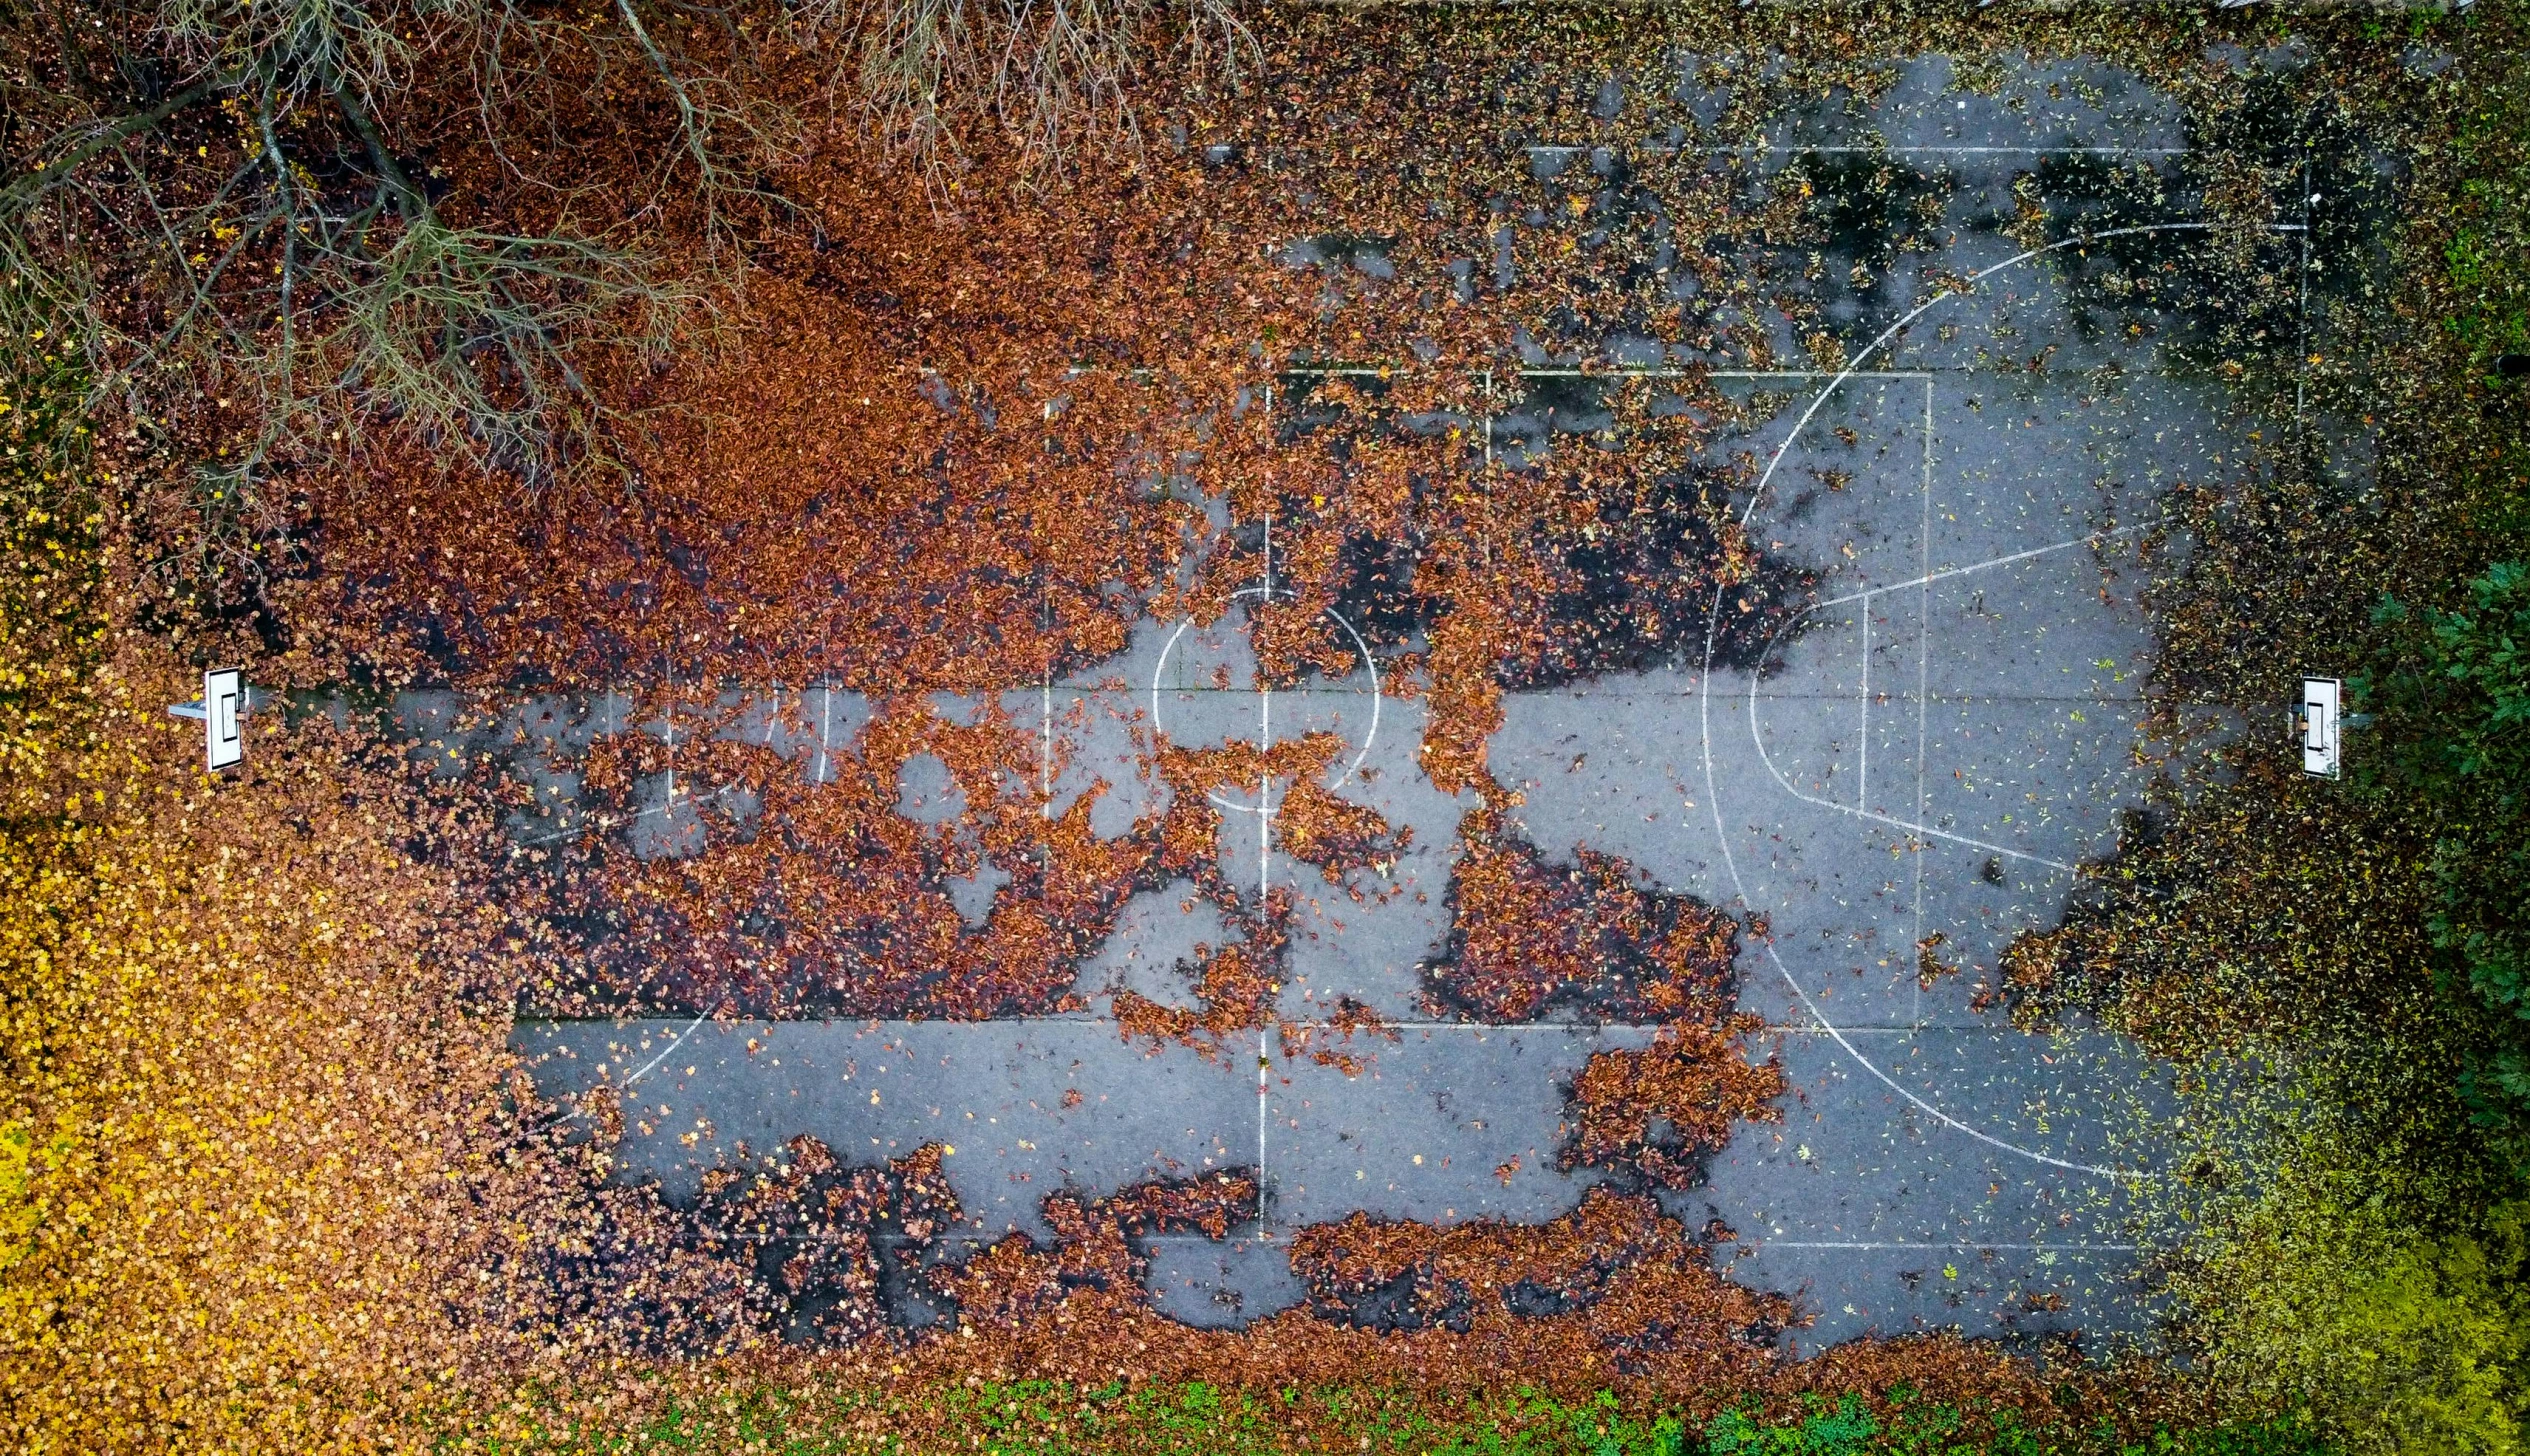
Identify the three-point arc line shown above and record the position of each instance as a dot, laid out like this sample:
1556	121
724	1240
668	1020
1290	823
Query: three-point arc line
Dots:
1712	632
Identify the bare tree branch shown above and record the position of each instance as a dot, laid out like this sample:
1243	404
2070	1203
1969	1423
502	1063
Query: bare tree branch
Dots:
23	190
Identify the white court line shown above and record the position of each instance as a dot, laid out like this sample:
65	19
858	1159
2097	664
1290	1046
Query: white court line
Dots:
1822	695
1373	1031
1093	1018
1857	809
1923	679
578	1111
1704	701
1946	573
2301	329
1763	1029
1763	1244
597	823
973	1237
1265	864
825	729
1620	371
1891	820
1263	1236
671	716
652	1064
1860	808
1264	746
605	822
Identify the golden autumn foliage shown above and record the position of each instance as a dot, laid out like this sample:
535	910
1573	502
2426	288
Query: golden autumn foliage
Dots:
266	1180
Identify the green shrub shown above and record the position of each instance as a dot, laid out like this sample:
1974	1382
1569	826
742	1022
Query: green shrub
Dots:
2455	699
1843	1428
1912	1427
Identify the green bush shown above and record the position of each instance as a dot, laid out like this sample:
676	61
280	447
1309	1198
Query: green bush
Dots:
2455	700
1912	1427
1824	1430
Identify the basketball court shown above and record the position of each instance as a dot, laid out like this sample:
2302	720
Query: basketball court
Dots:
1908	778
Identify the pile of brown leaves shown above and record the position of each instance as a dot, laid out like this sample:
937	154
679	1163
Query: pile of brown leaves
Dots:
1528	936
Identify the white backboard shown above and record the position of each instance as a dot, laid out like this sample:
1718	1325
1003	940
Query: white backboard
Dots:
223	714
2322	749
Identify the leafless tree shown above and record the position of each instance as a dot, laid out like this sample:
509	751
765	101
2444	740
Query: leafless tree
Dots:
1047	75
235	210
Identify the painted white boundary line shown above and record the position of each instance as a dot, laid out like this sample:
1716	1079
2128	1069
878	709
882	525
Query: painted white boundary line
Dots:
1712	631
652	1065
1862	743
1923	680
609	821
1754	1246
1264	842
668	804
1369	1034
1947	572
1761	1245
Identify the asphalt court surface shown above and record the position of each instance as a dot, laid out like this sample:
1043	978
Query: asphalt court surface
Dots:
1923	758
1929	759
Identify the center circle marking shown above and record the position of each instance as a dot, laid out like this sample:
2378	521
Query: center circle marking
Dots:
1159	670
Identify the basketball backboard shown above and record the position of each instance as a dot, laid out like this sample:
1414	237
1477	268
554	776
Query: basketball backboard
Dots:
223	714
2322	747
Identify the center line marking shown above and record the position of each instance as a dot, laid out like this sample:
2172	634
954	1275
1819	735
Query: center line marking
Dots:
1923	679
1264	864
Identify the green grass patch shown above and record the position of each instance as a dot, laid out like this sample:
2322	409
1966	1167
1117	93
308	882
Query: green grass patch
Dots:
1040	1418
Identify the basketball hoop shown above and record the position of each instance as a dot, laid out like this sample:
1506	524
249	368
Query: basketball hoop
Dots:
2323	724
222	708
